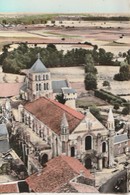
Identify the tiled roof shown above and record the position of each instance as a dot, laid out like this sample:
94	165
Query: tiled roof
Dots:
50	112
120	138
82	188
68	188
9	188
57	173
9	89
38	67
57	85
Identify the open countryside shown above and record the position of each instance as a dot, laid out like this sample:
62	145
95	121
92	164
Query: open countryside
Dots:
65	103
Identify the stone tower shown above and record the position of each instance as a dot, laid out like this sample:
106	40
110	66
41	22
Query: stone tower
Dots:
20	113
64	133
111	128
39	81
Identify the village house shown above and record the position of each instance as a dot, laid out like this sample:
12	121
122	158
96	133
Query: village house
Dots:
62	174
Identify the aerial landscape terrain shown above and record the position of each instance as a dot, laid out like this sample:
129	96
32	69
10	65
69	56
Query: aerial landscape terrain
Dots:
64	102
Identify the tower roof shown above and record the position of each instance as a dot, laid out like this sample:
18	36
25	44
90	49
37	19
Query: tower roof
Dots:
110	116
38	66
64	121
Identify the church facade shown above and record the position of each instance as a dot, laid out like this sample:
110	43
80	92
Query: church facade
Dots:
63	130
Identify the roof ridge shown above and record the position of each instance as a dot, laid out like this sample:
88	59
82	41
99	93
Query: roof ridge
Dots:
64	157
67	109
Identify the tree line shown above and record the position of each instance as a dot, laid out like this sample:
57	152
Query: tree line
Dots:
124	71
28	19
23	57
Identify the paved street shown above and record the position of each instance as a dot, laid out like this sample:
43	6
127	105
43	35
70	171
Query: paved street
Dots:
116	184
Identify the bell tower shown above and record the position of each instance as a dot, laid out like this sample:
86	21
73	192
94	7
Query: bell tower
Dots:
64	133
39	81
111	129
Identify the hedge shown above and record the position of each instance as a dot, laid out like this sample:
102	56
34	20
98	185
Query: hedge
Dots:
109	97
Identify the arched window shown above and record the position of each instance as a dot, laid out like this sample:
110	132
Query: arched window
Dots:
63	147
35	77
47	86
56	147
40	88
72	151
104	147
36	87
88	143
43	77
39	77
44	86
40	133
88	163
47	77
29	121
44	159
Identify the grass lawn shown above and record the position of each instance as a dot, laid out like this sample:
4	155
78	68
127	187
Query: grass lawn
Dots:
90	101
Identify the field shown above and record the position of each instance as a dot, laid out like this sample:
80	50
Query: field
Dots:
76	77
105	34
113	36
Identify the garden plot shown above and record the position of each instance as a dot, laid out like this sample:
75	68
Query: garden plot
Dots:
117	87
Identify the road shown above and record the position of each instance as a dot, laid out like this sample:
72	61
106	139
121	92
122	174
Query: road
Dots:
116	184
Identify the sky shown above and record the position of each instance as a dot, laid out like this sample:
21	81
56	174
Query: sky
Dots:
66	6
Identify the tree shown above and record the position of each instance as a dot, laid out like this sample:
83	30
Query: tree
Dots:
116	105
124	73
60	98
89	64
96	112
106	83
51	46
125	111
105	58
90	81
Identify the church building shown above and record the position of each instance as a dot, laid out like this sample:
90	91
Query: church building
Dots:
51	129
48	128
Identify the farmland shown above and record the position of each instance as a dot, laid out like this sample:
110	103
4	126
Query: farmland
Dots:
107	34
113	36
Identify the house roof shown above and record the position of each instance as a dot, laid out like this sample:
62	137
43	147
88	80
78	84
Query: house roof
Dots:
83	188
3	129
58	85
58	172
38	67
9	188
50	112
68	188
120	138
24	87
4	146
9	89
67	90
